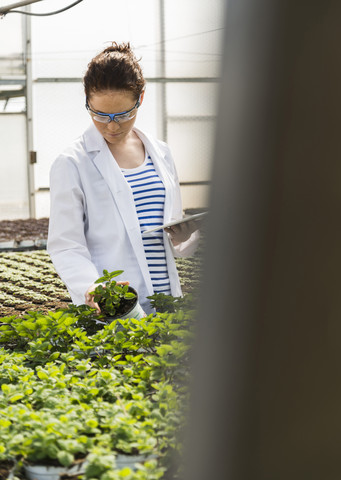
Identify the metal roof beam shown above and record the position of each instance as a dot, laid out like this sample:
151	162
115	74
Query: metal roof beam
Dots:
4	10
7	94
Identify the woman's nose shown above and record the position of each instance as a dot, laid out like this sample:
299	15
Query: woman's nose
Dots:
113	126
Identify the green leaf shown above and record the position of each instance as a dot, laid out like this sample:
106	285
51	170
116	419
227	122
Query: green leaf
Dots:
94	391
42	375
65	458
92	423
30	325
16	397
125	472
54	356
129	295
5	423
137	357
164	350
115	273
5	388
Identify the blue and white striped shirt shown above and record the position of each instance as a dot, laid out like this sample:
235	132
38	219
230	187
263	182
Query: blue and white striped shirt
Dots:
149	197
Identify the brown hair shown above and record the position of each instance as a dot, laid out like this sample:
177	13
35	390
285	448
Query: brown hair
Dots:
115	68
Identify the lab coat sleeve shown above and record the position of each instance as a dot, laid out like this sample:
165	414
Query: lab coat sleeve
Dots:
66	239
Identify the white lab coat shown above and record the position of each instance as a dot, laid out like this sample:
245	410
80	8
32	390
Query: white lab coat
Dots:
93	222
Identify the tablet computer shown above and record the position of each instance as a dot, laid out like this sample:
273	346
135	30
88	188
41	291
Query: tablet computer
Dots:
197	216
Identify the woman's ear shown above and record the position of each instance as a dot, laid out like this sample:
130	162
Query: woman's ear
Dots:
142	97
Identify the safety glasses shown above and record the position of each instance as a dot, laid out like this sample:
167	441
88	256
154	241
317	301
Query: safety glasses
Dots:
113	117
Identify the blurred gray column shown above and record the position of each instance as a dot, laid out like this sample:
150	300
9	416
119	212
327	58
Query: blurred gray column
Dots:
267	358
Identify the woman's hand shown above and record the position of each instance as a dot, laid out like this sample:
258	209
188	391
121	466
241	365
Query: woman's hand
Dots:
89	299
182	231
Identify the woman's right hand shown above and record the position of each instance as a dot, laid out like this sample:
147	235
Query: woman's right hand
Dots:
89	299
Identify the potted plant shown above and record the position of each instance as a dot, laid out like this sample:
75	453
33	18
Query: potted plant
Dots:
127	429
116	300
8	462
50	443
102	464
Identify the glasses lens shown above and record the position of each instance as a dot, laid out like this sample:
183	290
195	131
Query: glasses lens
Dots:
101	118
125	117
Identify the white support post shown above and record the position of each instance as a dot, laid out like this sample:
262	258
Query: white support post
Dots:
161	72
29	108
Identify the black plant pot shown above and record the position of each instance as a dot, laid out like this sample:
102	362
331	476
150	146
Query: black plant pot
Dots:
129	308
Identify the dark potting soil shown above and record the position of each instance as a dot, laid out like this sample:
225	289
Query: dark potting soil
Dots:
23	229
5	468
125	306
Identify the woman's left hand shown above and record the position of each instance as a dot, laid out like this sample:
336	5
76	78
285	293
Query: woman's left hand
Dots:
182	231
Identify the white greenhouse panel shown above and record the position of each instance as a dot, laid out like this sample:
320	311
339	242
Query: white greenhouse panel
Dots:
13	167
191	143
194	37
63	48
192	99
42	204
59	117
11	39
195	196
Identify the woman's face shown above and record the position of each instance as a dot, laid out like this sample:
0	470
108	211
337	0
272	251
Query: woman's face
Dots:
113	101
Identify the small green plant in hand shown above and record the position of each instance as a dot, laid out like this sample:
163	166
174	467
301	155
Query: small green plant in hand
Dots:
110	295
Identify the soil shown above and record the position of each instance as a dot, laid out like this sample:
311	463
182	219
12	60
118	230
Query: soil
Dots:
5	468
18	230
20	310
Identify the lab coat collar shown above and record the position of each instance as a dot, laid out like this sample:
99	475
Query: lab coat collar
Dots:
111	172
94	141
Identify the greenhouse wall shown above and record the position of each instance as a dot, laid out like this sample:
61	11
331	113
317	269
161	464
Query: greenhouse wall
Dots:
179	46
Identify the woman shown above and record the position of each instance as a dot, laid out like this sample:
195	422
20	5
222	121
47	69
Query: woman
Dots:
110	185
